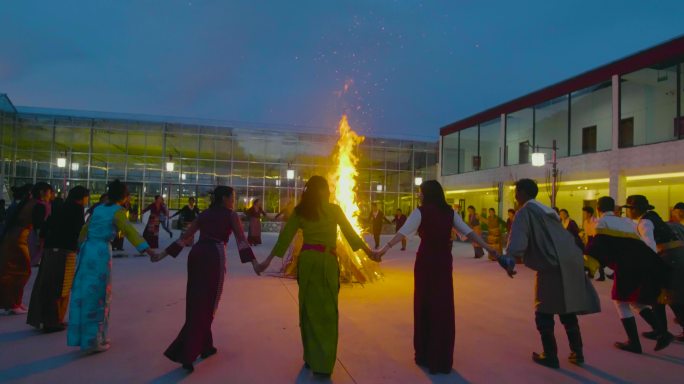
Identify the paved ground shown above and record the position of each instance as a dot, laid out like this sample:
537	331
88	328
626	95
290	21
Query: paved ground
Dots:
257	334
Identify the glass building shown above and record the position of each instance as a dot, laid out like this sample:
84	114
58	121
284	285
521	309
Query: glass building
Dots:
618	131
179	158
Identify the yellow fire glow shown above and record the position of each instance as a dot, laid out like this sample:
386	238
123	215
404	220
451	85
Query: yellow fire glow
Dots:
343	177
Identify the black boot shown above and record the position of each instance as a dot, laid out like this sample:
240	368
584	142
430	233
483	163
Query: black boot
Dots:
549	358
649	317
633	344
664	337
575	341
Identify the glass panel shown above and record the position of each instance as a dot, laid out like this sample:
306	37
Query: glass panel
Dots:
468	150
240	172
205	172
518	136
256	174
450	154
69	138
551	123
649	97
489	144
591	107
223	147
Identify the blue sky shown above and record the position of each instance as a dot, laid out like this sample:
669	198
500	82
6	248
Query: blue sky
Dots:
409	67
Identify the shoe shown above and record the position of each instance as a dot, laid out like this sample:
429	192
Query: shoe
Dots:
663	341
403	249
547	361
208	353
601	278
104	347
438	371
627	346
322	374
651	335
53	329
576	359
17	311
189	367
632	344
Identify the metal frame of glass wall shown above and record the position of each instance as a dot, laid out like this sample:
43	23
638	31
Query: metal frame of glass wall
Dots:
254	162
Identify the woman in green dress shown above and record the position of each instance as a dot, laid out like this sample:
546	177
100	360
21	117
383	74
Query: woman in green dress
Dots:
318	271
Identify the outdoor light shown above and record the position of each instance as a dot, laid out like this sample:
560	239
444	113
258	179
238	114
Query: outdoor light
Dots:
164	195
183	175
74	167
61	162
379	187
418	181
277	182
169	166
290	174
538	159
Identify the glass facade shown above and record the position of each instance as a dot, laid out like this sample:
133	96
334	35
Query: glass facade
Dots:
254	162
651	105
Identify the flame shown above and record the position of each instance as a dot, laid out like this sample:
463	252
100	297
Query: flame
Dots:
343	177
354	266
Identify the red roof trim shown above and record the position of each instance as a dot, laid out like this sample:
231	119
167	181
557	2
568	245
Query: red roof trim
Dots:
643	59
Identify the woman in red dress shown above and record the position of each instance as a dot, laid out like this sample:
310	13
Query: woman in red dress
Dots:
433	297
206	272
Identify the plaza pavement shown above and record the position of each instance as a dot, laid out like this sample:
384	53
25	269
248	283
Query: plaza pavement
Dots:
257	335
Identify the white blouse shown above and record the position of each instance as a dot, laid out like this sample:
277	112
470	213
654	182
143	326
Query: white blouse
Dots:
414	219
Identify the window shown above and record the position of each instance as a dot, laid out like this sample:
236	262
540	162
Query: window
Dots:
551	123
450	154
649	97
524	152
469	160
626	133
589	107
519	127
589	139
489	144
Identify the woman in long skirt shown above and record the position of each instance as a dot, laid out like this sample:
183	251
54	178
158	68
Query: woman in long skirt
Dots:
254	213
206	273
50	295
43	193
15	259
92	288
187	214
318	271
151	231
433	298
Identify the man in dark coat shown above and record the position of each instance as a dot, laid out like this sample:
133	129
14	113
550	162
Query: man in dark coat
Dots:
399	221
562	288
376	220
639	273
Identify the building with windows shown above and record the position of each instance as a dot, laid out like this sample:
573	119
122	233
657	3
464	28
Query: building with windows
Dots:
618	131
179	158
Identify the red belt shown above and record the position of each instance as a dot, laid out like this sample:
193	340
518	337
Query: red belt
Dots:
318	248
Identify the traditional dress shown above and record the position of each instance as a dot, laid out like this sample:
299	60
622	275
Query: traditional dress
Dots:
474	223
92	289
318	278
50	295
15	260
433	297
399	221
494	233
206	273
254	229
151	232
561	286
41	211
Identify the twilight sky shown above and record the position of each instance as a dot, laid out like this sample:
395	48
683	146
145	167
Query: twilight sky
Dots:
408	67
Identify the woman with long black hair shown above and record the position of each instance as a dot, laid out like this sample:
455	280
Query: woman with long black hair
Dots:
318	270
206	273
433	297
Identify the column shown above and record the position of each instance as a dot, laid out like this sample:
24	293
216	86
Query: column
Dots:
618	186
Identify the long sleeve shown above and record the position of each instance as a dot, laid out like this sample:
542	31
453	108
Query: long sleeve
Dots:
412	223
123	225
352	237
518	239
245	251
645	229
286	236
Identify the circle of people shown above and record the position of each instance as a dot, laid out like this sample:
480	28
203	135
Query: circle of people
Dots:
645	254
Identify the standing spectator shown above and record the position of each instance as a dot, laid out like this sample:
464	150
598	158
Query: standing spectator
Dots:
50	295
571	226
376	220
677	223
164	218
561	286
589	222
509	220
42	192
474	224
254	213
399	221
494	232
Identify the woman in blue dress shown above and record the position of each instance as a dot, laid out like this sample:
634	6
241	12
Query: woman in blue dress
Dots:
92	288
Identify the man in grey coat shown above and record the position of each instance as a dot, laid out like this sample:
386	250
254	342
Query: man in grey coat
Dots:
562	288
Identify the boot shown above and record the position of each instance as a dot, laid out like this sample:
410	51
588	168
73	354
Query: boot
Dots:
575	341
549	358
602	274
664	337
649	317
633	344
